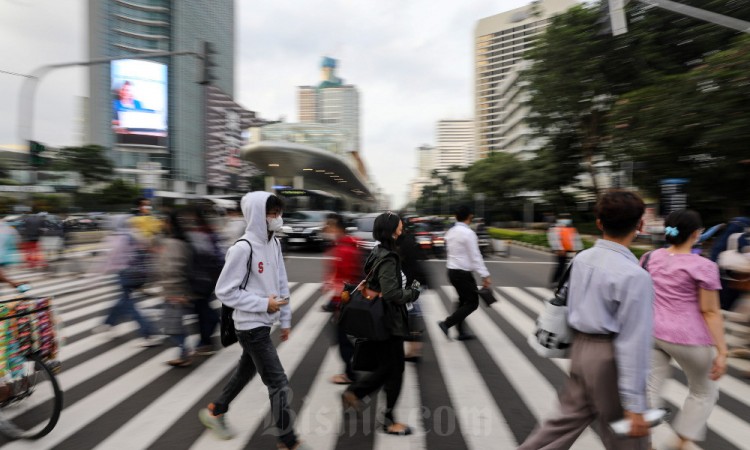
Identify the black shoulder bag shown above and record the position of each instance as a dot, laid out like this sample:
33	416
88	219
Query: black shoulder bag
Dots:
227	332
363	312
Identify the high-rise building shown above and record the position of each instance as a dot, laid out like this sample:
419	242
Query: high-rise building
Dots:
499	45
152	112
332	103
426	162
455	144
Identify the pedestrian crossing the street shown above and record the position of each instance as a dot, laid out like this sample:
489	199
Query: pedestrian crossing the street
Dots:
487	393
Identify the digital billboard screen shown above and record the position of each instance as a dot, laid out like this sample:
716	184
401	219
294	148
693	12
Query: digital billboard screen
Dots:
139	102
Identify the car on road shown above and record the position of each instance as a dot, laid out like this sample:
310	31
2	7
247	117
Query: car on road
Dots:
362	231
304	229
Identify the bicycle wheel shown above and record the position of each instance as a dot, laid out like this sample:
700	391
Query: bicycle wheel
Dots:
31	404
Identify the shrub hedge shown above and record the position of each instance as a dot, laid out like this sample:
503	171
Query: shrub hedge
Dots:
541	239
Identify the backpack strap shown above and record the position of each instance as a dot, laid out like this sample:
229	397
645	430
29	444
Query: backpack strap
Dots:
646	258
246	280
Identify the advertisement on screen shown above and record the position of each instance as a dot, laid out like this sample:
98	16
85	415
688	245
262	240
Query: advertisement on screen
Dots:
139	102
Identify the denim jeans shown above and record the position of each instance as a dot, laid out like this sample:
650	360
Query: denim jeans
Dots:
259	356
125	307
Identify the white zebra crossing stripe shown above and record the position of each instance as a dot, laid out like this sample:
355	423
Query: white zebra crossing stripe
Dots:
481	421
533	388
143	430
251	406
319	420
100	402
409	412
727	425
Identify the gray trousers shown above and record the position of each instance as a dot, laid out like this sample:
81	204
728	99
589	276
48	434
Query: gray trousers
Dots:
696	362
591	392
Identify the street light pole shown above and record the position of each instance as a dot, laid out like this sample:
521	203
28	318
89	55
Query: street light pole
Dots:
28	90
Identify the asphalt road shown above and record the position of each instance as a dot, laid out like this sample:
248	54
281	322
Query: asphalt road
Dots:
523	267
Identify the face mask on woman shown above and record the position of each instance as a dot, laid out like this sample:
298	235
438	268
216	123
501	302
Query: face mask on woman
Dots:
275	224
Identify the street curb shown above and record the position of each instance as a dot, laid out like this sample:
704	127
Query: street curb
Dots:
540	248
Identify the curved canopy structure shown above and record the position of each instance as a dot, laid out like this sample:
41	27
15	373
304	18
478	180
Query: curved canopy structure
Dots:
320	169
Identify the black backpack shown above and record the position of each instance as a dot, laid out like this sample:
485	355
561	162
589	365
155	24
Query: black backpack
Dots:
204	269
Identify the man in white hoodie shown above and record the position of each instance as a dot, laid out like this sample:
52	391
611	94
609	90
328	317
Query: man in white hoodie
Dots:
254	283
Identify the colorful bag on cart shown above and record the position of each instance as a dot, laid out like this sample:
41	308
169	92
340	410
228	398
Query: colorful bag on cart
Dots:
27	326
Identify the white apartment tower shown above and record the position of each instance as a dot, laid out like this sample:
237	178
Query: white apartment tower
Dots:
499	45
455	144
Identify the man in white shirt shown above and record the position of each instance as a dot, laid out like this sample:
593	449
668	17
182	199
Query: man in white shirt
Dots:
462	246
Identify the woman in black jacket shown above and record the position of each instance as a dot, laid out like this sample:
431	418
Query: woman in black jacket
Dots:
390	281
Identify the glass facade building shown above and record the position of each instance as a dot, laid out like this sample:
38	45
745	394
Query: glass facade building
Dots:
124	28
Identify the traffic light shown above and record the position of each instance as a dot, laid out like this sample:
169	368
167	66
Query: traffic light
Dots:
209	53
35	152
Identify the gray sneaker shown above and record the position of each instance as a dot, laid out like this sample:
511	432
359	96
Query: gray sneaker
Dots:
217	424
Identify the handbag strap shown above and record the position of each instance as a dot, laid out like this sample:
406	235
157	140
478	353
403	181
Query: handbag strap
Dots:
246	280
565	277
367	277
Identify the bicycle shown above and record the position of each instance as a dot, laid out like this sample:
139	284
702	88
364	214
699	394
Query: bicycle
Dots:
30	396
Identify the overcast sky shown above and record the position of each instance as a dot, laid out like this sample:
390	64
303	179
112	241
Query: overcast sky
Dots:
410	59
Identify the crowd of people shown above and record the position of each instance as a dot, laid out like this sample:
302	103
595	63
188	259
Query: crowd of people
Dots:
630	318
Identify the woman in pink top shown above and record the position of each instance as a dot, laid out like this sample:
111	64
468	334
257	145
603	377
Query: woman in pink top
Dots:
687	324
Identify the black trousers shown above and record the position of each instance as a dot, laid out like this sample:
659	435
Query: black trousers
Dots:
562	262
389	374
468	298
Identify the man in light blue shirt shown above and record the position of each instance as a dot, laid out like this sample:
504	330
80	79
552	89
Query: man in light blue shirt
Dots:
610	308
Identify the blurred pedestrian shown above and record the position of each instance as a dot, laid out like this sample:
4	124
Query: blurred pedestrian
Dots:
128	256
206	262
31	233
610	311
389	280
343	266
412	264
173	260
564	240
729	294
144	221
234	227
9	240
688	325
254	283
464	257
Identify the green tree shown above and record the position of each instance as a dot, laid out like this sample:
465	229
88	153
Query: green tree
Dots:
694	126
578	75
89	161
120	192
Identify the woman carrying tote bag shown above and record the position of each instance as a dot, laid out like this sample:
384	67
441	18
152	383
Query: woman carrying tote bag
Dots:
389	281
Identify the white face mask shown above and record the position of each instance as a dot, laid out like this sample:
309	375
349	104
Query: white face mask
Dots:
275	224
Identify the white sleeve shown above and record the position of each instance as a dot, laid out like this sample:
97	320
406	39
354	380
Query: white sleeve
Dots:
285	315
475	256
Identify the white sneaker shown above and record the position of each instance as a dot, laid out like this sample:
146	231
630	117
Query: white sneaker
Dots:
217	424
99	329
151	341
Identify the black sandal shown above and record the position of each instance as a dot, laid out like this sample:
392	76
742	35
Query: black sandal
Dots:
405	432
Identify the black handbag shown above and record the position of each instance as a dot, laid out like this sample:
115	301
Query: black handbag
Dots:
363	311
227	332
365	357
487	295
